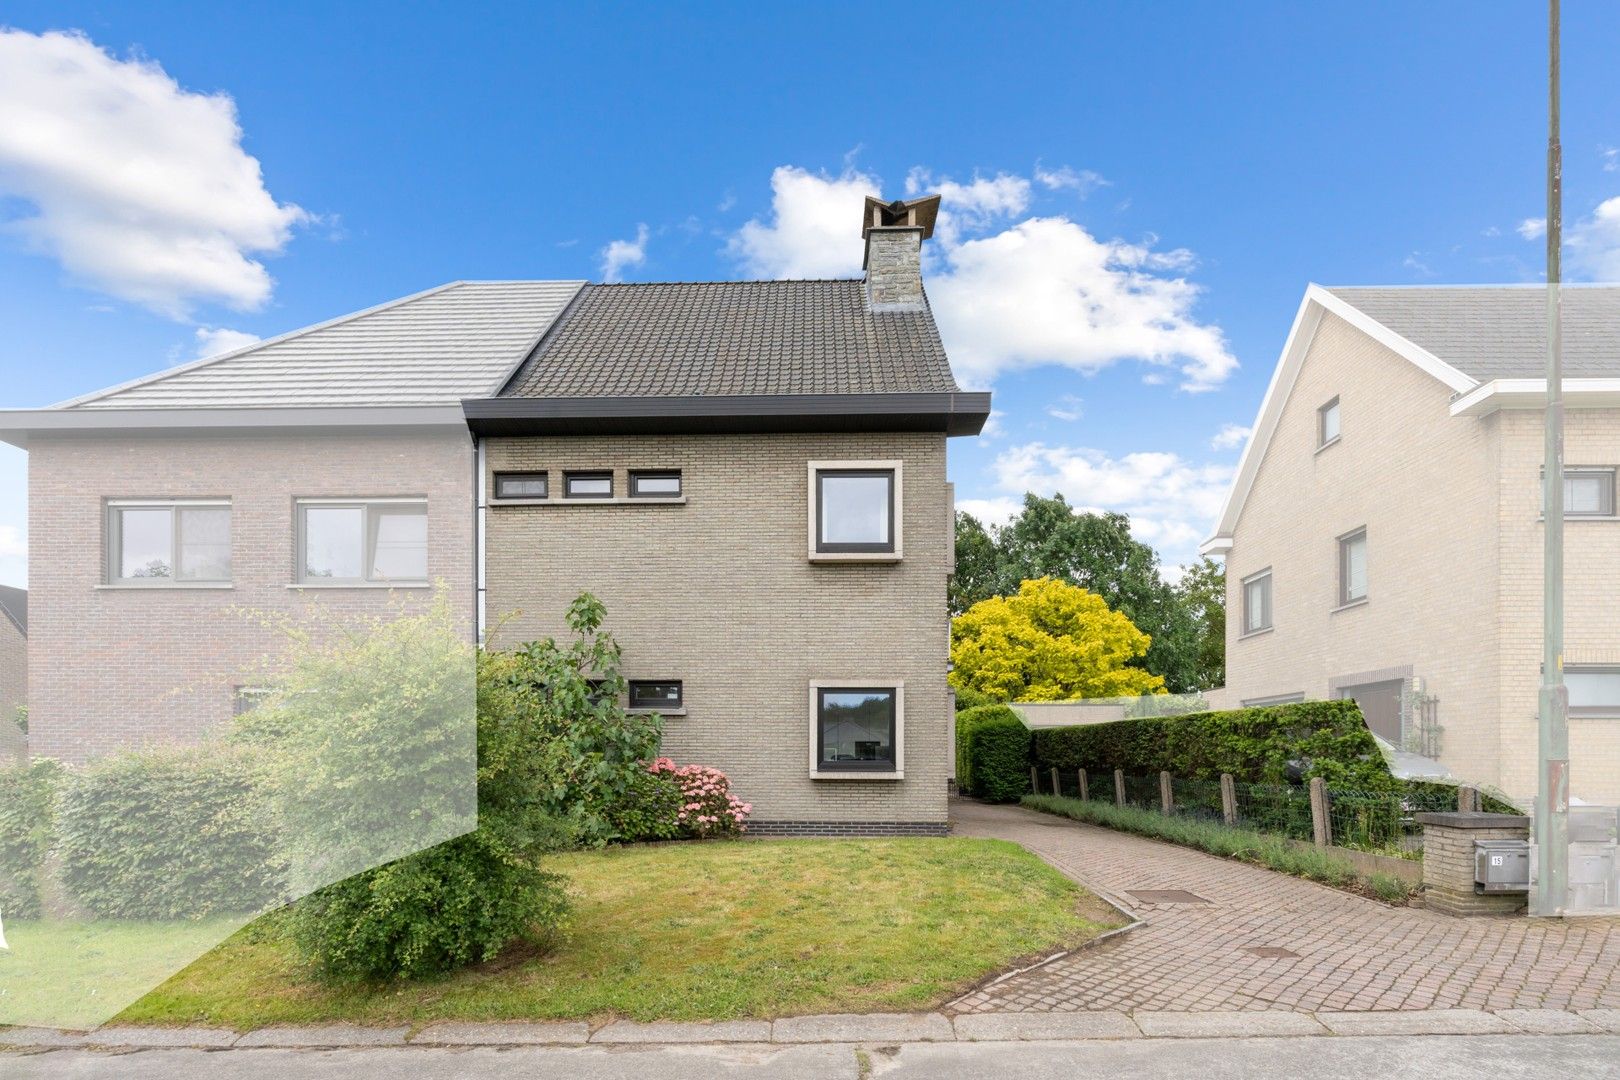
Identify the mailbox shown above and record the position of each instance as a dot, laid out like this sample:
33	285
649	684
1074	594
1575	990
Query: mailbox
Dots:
1501	866
1592	883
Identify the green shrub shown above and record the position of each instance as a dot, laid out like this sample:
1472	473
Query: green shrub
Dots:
1270	745
966	721
969	698
650	810
27	828
167	833
996	749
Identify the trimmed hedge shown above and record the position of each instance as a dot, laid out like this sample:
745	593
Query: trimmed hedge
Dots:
27	826
994	753
1275	744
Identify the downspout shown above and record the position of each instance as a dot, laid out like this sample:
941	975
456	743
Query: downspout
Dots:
480	539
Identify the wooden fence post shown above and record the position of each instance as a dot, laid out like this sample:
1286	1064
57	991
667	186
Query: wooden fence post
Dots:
1119	787
1167	798
1321	829
1034	780
1084	794
1228	799
1057	788
1468	800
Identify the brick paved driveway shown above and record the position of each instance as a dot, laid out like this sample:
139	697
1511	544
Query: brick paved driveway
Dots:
1352	954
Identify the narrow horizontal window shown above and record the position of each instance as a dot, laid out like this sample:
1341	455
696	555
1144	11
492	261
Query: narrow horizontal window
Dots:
1353	567
655	694
1593	691
655	484
155	543
1257	602
855	510
1327	423
588	485
1588	492
855	728
361	542
522	485
248	698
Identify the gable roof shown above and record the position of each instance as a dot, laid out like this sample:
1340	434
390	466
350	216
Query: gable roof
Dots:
431	348
1499	331
687	339
14	605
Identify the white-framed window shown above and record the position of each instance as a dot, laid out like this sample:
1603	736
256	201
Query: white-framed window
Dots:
592	484
362	541
1594	690
522	485
1257	602
655	483
855	510
159	542
1327	424
1588	491
857	729
1353	567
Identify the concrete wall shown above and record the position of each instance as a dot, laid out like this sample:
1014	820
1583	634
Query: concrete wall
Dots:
117	667
13	686
1425	487
719	593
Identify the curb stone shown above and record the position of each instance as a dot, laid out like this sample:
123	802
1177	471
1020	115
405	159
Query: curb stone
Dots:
731	1031
1431	1022
38	1036
1607	1019
1549	1022
1225	1025
329	1035
864	1027
161	1037
1041	1027
537	1033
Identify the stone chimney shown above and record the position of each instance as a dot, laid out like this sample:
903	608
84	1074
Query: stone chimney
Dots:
894	234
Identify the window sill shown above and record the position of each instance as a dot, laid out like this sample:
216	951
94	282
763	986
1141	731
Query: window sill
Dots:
1350	606
858	774
1330	443
856	556
1541	519
361	585
656	712
617	500
180	586
1262	632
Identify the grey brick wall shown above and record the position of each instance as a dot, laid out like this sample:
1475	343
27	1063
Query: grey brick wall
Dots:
115	668
719	593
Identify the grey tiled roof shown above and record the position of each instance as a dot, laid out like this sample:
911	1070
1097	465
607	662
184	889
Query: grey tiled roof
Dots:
735	337
14	602
1499	331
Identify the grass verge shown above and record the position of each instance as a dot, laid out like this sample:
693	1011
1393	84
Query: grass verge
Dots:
1261	849
698	932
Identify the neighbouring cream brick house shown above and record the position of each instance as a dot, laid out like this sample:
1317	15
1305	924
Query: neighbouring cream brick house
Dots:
751	475
1383	535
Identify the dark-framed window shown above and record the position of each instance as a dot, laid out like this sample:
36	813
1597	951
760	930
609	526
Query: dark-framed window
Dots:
856	728
656	694
1353	567
1588	491
247	698
855	510
1257	602
1327	423
522	485
597	484
655	484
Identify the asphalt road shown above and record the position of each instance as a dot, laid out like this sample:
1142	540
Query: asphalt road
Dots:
1428	1057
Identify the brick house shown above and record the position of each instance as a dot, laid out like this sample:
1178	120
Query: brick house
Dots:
1383	534
13	668
750	474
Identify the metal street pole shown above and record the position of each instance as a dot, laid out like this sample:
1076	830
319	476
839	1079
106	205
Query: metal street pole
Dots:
1552	802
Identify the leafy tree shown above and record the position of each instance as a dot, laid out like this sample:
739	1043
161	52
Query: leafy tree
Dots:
1095	551
1052	641
1202	591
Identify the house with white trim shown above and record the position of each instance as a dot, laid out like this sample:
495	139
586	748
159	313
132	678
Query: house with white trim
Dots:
1383	533
750	475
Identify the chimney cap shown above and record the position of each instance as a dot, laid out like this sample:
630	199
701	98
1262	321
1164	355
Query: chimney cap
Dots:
901	213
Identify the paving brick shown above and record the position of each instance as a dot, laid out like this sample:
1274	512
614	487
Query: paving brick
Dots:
1007	1027
864	1028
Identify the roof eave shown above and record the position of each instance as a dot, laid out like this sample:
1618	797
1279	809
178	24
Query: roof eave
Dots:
1498	394
17	425
951	412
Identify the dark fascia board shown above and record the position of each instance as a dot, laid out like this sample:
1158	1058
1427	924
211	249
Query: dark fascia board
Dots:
16	425
954	413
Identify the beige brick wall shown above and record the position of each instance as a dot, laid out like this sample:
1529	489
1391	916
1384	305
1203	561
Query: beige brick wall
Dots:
1591	610
719	593
13	686
1424	485
113	668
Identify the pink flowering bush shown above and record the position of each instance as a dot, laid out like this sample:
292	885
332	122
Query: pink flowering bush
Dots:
707	807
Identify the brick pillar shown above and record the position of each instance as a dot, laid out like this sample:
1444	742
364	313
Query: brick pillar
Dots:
1448	862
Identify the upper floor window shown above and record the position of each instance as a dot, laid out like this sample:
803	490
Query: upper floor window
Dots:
1257	602
162	542
1588	491
655	484
588	485
362	541
1353	567
1593	691
1327	423
522	485
855	508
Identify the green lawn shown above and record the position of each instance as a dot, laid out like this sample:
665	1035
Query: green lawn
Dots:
699	931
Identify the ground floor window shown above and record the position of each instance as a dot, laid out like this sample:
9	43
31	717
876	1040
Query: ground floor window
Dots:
857	728
1593	691
655	695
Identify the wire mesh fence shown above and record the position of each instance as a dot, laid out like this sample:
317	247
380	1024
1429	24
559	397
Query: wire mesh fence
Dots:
1198	799
1383	822
1275	808
1143	792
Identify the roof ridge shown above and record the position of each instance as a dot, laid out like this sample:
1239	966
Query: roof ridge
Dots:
733	281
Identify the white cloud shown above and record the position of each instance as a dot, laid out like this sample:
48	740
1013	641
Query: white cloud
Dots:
1594	243
1610	156
213	340
1083	181
13	544
622	255
1230	437
1171	501
997	511
1532	228
1067	408
993	426
815	226
139	188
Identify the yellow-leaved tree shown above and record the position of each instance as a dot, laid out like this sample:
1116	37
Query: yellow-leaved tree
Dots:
1052	642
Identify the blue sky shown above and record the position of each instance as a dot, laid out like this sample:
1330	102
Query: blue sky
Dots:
1137	194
